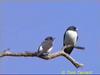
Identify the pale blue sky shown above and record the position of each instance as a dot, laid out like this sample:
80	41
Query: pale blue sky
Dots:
24	25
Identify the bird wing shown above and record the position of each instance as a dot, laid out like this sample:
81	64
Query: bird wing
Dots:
64	39
77	38
45	47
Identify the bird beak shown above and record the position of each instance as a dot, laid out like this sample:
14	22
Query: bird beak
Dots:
77	29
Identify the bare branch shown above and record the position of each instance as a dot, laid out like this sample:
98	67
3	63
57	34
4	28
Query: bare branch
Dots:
48	57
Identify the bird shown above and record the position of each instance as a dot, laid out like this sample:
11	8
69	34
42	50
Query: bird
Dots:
70	38
46	46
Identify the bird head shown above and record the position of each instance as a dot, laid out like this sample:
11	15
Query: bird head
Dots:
50	38
72	28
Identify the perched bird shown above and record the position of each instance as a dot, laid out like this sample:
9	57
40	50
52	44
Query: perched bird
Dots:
71	38
46	46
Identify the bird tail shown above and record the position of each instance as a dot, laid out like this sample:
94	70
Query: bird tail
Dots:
39	53
42	53
78	47
70	49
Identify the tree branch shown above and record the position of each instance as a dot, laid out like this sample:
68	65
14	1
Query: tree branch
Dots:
48	57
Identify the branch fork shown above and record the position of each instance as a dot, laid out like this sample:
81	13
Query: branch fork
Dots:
48	57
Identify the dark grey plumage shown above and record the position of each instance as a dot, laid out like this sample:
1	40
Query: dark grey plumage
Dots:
46	46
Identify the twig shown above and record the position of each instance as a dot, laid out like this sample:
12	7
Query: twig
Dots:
48	57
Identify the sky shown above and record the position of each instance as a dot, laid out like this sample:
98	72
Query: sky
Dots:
25	24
